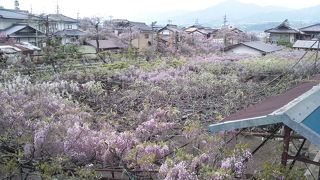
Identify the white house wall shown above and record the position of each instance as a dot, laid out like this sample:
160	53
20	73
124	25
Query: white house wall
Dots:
274	38
241	49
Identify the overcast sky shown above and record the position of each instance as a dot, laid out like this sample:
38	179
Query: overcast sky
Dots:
134	9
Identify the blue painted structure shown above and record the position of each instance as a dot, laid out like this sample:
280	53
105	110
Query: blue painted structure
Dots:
301	114
313	121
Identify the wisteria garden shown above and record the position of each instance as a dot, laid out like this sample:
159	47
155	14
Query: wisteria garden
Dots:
146	119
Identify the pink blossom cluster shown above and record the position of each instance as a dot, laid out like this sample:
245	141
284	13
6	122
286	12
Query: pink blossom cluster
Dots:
177	172
237	162
155	126
148	153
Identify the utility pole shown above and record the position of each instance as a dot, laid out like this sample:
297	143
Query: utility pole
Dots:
196	21
225	21
224	29
58	8
16	5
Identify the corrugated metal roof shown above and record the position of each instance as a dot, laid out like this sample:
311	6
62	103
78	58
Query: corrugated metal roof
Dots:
17	47
298	108
273	103
306	44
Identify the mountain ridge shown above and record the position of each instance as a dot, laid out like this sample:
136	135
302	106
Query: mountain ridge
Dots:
243	14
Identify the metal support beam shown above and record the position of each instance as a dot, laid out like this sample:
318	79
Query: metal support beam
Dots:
305	160
298	153
267	139
265	135
286	142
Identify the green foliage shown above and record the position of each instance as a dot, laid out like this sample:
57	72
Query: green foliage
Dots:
49	170
276	171
177	63
267	65
86	173
182	155
149	65
116	65
131	53
284	42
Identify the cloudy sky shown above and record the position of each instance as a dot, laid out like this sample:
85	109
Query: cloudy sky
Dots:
135	9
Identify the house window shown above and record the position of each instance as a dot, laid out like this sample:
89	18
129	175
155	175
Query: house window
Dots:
166	32
146	36
69	26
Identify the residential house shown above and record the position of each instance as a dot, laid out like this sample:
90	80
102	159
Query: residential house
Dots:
8	17
70	36
254	48
60	22
228	35
142	34
312	31
112	44
21	25
145	37
199	30
307	44
284	33
24	33
12	22
169	35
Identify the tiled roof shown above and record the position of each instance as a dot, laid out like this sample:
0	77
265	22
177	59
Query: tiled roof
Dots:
13	14
18	27
70	32
284	27
125	24
312	28
61	17
171	27
14	28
